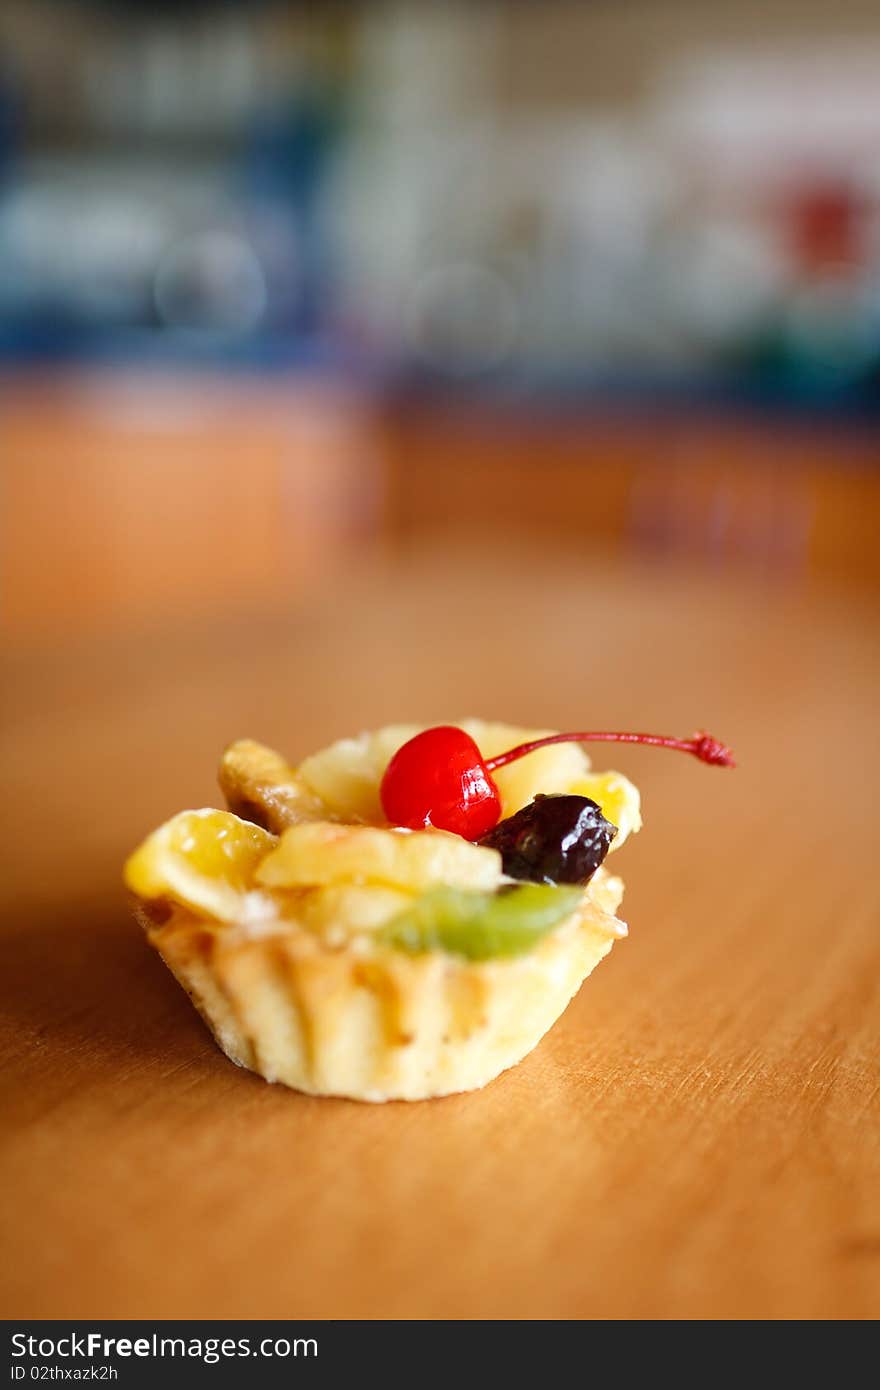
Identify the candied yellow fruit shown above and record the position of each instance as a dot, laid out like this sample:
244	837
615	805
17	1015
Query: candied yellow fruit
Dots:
546	771
314	854
202	859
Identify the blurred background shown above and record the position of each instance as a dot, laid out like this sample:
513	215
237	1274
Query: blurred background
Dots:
285	288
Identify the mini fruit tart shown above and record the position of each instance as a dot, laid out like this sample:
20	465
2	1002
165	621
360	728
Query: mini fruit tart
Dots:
402	916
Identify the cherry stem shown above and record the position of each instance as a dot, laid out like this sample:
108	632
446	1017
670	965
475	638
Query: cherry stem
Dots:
702	746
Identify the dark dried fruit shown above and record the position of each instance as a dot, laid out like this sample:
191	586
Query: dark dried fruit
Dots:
555	839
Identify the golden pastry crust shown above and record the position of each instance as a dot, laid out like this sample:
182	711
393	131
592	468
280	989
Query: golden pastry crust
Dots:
368	1022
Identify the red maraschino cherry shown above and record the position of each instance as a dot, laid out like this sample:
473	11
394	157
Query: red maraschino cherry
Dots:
440	777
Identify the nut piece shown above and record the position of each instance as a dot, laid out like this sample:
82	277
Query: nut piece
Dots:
262	787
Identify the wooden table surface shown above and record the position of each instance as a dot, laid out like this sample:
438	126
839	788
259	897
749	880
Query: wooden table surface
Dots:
696	1138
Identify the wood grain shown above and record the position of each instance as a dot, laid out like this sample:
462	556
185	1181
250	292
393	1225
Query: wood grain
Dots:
698	1136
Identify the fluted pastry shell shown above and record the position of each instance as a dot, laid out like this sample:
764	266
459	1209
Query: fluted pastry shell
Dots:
368	1022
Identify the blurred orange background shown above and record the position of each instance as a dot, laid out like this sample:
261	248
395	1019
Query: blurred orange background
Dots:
284	289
